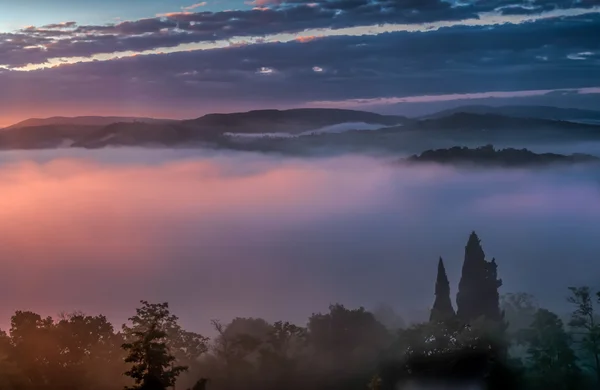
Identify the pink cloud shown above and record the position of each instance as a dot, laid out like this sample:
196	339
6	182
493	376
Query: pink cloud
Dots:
194	6
262	3
447	97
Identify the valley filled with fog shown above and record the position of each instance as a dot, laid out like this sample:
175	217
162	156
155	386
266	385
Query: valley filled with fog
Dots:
226	234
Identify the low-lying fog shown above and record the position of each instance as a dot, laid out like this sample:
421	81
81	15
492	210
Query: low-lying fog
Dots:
220	235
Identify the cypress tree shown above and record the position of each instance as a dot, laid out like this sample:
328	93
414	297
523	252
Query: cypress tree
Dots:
442	307
478	288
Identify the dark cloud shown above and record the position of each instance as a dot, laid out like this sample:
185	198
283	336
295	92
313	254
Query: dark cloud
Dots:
60	26
287	17
450	60
547	54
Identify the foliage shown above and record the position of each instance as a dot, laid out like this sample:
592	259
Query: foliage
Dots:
519	310
586	326
551	361
153	361
438	353
478	288
488	155
342	348
388	317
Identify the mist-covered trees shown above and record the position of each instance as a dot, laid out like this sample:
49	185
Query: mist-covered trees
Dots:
346	344
74	352
586	326
341	348
519	309
551	361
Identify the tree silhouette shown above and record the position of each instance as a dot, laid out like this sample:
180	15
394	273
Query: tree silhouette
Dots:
153	364
36	351
584	322
387	316
435	355
519	309
478	288
442	307
468	298
346	344
200	384
551	361
342	348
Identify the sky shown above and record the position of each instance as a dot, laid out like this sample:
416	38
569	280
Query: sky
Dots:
178	59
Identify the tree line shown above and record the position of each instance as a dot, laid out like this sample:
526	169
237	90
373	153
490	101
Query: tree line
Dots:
492	341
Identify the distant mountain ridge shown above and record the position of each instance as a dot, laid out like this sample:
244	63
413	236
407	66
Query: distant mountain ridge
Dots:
385	133
459	128
539	112
84	121
292	121
467	120
212	128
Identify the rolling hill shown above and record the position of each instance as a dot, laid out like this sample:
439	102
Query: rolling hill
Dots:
292	121
248	130
213	127
539	112
83	121
43	137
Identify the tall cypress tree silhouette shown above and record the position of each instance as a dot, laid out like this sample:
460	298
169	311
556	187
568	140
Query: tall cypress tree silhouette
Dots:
442	307
467	298
478	288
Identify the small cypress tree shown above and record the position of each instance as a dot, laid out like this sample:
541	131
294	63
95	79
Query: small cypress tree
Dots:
442	307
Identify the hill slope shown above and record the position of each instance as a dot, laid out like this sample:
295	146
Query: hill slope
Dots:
289	121
465	129
213	127
387	133
539	112
83	121
43	137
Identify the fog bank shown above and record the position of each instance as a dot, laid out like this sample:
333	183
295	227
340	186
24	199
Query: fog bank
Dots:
220	235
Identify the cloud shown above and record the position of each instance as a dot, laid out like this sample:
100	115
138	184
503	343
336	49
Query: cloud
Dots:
363	69
291	17
452	97
60	26
194	6
467	62
308	39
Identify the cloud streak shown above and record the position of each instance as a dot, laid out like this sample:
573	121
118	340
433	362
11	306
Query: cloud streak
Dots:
450	97
194	6
170	31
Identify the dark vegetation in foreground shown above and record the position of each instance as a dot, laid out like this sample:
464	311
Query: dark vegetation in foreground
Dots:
490	341
487	155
